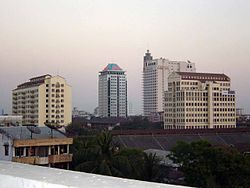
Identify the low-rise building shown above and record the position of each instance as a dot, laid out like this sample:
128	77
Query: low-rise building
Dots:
9	120
199	100
156	117
45	146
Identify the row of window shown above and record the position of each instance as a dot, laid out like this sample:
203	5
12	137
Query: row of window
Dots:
26	92
55	85
55	121
196	127
55	116
55	90
57	106
53	95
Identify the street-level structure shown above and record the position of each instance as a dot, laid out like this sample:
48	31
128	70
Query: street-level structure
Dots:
43	99
112	96
45	148
199	100
155	80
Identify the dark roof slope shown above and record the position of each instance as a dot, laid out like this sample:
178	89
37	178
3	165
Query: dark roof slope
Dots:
236	138
35	81
22	132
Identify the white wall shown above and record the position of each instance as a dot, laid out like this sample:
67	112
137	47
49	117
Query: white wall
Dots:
16	175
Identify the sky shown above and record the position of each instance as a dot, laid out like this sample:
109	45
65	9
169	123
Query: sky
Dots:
78	38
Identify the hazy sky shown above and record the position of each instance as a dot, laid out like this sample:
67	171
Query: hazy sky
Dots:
77	38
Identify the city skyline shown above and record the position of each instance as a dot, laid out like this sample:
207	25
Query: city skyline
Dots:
75	40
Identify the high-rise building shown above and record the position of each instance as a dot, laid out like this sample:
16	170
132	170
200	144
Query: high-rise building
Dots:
43	99
155	80
112	97
199	100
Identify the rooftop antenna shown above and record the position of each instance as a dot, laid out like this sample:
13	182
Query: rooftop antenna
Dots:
52	127
33	129
147	47
57	71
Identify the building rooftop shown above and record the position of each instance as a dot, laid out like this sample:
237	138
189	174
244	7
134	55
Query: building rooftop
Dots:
167	139
22	175
35	81
203	76
23	133
112	67
40	77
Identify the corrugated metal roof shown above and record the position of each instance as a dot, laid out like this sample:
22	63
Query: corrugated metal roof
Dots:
22	132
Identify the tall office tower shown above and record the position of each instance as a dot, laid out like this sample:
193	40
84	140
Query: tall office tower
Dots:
43	99
112	92
199	100
155	80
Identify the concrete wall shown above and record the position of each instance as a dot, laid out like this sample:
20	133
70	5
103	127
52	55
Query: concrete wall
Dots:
15	175
5	140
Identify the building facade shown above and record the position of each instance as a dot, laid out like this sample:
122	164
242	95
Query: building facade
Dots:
18	144
112	97
43	99
155	80
199	100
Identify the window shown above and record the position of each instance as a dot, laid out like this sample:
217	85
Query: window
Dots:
6	150
19	152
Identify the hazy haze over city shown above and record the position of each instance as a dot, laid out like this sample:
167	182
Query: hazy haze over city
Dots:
77	39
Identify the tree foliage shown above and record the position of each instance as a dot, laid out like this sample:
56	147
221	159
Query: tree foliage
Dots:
208	166
101	155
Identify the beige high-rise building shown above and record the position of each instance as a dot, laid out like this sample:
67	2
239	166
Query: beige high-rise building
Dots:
199	100
43	99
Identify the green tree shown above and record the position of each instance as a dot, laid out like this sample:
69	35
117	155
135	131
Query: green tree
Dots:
102	157
208	166
135	159
151	167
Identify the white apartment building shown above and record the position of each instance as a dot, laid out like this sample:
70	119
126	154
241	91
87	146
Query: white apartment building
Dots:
199	100
43	99
155	80
112	97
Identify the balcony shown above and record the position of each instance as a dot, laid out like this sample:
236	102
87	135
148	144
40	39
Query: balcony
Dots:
60	158
32	160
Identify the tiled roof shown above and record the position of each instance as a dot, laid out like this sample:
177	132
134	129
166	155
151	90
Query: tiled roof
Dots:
40	77
203	76
112	67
